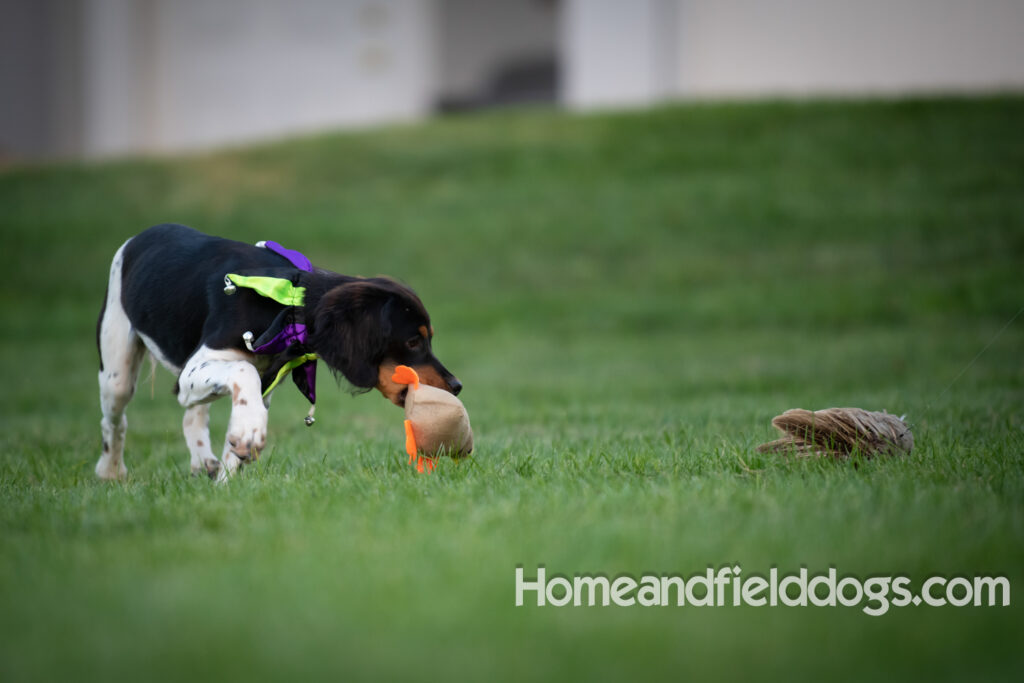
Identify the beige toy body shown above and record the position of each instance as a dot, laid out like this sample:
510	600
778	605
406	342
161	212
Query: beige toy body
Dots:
436	422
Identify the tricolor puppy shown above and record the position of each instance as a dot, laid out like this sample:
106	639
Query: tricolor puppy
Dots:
232	319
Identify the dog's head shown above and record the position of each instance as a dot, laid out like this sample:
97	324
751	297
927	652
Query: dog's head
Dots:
365	328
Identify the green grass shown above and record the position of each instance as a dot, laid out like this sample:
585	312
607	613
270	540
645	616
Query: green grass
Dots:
629	299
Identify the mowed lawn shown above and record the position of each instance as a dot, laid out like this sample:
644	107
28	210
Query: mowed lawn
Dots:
629	299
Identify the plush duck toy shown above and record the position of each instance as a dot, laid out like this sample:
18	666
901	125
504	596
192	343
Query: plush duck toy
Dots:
435	422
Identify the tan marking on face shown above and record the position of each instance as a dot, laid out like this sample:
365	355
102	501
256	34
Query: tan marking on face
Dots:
386	386
424	332
428	375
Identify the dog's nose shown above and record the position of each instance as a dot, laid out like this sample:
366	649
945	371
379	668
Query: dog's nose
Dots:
454	386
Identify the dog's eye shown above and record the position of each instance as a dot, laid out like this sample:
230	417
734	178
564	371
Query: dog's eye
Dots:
414	343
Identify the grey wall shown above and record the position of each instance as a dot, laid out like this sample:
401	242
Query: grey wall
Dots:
751	47
478	38
619	53
97	78
40	78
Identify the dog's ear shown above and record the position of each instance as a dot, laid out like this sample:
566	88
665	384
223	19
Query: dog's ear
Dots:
350	330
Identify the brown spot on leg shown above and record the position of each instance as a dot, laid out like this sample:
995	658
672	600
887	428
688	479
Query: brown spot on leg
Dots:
200	443
242	402
235	391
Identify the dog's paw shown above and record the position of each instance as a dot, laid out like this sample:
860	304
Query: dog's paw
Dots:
232	464
247	431
111	471
209	467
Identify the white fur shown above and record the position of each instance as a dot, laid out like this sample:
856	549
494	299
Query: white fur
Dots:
121	353
158	353
210	374
196	426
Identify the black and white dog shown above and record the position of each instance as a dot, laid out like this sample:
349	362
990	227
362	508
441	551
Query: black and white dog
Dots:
170	292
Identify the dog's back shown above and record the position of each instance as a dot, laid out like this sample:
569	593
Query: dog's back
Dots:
172	289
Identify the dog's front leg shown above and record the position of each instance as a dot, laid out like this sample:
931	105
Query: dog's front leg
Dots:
210	374
196	426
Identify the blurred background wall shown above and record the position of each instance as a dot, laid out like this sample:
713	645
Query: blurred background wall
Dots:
95	78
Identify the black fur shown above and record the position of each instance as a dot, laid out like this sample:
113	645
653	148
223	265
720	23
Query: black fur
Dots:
99	323
173	292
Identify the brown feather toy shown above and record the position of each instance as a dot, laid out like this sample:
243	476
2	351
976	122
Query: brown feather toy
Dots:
837	432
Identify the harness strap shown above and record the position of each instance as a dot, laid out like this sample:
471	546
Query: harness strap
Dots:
292	333
288	367
296	258
279	289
